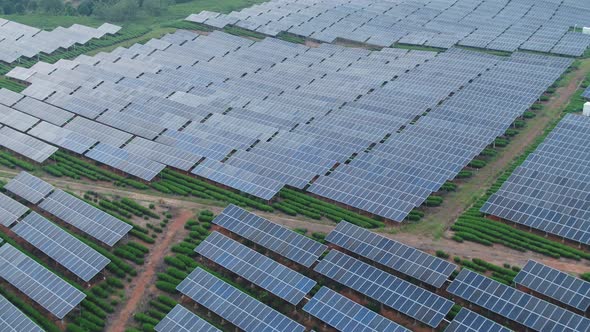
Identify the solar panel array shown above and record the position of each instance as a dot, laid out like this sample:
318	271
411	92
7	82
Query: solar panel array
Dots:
515	305
179	319
586	93
549	191
347	315
13	320
258	116
232	305
18	40
396	293
392	254
62	137
126	161
29	187
490	24
555	284
85	217
10	210
277	238
25	145
469	321
277	279
58	244
38	283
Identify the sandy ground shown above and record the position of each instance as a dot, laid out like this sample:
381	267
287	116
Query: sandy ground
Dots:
141	285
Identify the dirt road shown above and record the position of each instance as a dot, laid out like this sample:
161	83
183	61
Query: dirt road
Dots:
146	277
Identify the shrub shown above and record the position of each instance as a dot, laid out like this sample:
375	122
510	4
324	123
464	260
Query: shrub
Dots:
442	254
166	286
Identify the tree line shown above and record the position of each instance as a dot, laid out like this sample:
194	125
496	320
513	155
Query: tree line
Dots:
108	10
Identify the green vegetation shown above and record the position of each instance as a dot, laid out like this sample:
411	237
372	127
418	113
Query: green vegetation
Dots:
76	168
498	273
176	183
294	202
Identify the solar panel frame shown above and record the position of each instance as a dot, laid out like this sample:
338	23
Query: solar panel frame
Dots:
29	187
525	309
385	288
346	315
393	254
26	145
14	320
38	283
469	321
92	221
274	237
68	251
561	286
231	304
180	319
277	279
10	210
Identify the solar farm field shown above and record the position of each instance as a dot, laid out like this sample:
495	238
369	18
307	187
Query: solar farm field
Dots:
310	165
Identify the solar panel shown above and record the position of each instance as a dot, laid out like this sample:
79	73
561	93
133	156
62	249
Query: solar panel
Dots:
469	321
161	153
515	305
555	284
8	97
13	320
232	305
64	138
279	239
125	161
92	221
345	315
15	119
26	145
38	283
43	111
29	187
395	255
549	190
10	210
396	293
278	279
180	319
58	244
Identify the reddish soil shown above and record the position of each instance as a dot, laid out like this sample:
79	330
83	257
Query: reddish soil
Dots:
136	291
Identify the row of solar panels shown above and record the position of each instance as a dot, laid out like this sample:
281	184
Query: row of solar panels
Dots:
496	25
550	190
290	113
35	281
21	41
337	310
292	287
35	129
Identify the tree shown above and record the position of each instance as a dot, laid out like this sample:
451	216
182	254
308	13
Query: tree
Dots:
121	11
155	7
52	6
85	8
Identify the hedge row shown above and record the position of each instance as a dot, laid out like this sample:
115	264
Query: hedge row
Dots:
307	205
8	160
74	167
176	183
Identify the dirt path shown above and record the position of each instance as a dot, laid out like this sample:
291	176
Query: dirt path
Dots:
136	291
